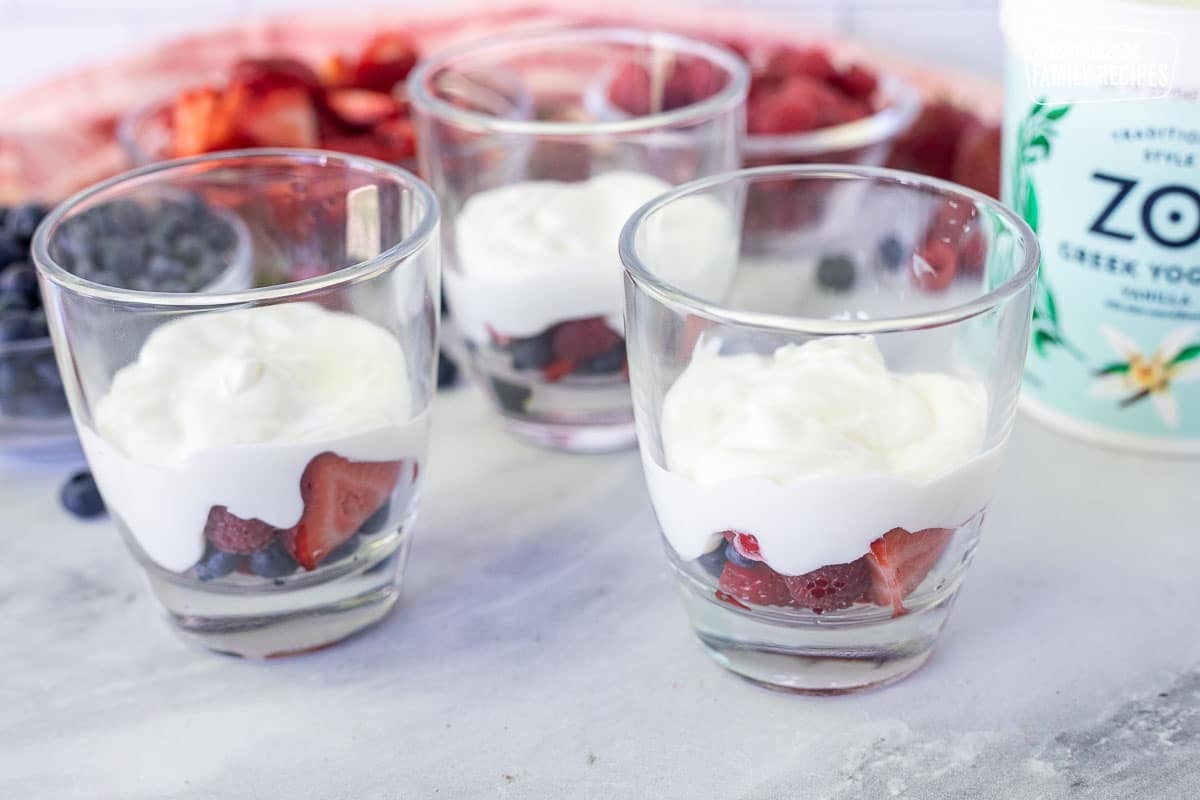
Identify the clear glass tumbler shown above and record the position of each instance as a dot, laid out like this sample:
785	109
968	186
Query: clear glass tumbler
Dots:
821	425
537	171
256	412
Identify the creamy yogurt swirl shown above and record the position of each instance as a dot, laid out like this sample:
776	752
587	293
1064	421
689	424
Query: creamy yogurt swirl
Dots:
816	449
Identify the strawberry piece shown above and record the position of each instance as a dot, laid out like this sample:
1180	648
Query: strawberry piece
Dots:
281	118
934	265
813	62
236	535
857	81
930	145
205	119
339	495
831	587
745	543
977	159
361	109
972	253
386	61
578	339
629	89
558	369
758	584
900	560
262	76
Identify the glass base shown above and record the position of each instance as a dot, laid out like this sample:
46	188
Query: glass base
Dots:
289	618
806	653
575	438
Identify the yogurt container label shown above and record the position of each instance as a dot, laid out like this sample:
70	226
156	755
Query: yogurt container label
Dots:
1112	188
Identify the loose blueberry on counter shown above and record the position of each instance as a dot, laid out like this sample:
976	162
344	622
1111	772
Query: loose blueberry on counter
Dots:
603	364
736	558
274	562
891	253
217	564
836	272
713	561
81	497
532	352
447	375
511	396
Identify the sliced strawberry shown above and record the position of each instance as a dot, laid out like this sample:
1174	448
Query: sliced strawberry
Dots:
361	108
813	62
558	369
745	543
583	338
900	560
977	159
281	118
385	61
236	535
930	145
972	253
857	81
205	119
934	265
339	495
831	587
265	75
758	584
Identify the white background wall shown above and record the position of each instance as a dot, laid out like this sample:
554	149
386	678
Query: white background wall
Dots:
42	36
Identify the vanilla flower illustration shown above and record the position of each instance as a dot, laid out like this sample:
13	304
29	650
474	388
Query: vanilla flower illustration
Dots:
1138	376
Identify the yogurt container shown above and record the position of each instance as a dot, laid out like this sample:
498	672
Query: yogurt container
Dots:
1102	159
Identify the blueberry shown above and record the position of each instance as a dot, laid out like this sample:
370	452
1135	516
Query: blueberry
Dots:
274	562
15	326
11	250
218	233
713	561
511	396
118	256
81	497
891	252
127	216
165	267
45	404
15	377
46	370
14	301
532	352
217	564
836	272
190	247
22	221
447	372
377	521
37	324
736	558
603	364
19	278
344	550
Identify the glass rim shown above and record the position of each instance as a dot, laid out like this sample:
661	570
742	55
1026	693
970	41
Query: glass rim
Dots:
726	98
48	267
647	281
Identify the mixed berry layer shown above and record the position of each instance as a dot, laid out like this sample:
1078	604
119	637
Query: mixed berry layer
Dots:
343	500
894	566
586	346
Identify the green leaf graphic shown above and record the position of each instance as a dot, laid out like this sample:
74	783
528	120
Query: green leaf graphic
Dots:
1051	306
1058	112
1029	208
1041	339
1039	142
1187	354
1117	368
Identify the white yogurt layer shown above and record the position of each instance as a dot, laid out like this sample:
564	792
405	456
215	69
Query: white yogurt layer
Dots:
817	450
535	253
227	408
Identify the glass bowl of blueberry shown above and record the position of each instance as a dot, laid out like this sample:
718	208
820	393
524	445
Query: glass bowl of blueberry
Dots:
187	247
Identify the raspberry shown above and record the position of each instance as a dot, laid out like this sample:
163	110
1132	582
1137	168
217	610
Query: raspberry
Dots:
233	534
857	81
745	543
831	587
812	62
583	338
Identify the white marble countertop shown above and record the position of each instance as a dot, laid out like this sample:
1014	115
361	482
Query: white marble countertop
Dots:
539	651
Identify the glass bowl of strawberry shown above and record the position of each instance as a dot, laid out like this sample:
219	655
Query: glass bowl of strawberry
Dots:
349	104
537	183
259	446
820	450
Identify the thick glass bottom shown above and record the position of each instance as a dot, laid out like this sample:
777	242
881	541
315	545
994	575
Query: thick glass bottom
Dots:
575	437
286	617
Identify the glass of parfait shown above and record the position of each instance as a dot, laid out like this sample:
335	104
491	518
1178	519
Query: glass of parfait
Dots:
259	441
537	170
821	423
